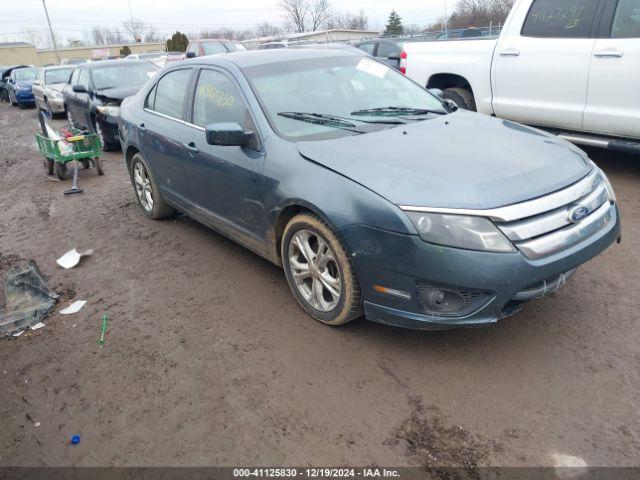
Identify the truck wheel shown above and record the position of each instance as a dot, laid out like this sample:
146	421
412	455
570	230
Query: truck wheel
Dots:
319	271
462	97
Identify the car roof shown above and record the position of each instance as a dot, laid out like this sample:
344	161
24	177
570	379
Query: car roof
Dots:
104	63
251	58
58	67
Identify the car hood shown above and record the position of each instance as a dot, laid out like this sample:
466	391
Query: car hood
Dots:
462	160
24	83
56	86
118	93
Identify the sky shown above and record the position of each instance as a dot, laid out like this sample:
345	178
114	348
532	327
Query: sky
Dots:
71	18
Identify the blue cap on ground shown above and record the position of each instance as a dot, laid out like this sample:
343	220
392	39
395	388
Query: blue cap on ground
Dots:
75	439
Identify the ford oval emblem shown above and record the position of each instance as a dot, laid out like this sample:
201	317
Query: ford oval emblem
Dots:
578	213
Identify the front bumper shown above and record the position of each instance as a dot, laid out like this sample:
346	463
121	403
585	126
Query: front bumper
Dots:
404	262
24	96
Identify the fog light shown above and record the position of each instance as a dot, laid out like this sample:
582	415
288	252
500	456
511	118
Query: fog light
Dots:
448	301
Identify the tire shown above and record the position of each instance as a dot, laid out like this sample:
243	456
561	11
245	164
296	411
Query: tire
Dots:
146	187
98	164
312	231
12	101
86	164
62	172
106	146
49	165
462	97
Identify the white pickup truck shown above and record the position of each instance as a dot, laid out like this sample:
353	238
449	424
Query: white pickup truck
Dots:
569	66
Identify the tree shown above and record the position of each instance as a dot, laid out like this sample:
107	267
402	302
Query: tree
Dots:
125	50
349	21
152	35
266	29
479	13
135	28
177	43
306	15
394	25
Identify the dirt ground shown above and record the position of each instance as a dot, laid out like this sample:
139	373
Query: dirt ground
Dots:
209	361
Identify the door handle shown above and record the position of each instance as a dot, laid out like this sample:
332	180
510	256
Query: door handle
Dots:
191	147
609	52
510	52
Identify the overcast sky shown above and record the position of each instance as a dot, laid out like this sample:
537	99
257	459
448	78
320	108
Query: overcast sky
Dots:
72	17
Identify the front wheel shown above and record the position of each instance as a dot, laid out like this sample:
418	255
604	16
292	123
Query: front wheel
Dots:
462	97
146	189
62	172
319	271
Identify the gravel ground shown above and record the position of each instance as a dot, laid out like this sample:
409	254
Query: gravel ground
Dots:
209	361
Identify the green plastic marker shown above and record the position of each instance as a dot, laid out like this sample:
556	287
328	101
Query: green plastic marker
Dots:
103	330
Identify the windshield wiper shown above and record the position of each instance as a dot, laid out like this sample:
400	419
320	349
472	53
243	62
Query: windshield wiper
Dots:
321	119
394	111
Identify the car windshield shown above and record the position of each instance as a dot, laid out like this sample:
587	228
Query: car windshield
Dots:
122	75
236	46
26	74
211	48
353	88
59	75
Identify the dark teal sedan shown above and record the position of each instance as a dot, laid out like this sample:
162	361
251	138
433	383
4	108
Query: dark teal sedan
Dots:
376	197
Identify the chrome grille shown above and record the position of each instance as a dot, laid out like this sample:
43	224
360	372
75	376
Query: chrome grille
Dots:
551	228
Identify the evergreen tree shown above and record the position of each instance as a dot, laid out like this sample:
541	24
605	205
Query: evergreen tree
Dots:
177	43
394	25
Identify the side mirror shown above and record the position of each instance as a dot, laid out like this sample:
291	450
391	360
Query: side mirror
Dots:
80	89
227	135
437	92
191	54
394	56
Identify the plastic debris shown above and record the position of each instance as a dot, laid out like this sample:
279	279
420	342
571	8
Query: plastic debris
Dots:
103	330
75	307
28	299
75	439
72	258
37	326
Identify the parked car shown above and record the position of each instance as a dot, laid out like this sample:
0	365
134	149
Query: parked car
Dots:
211	46
284	44
73	61
47	88
95	90
389	49
574	72
157	58
354	179
4	94
20	81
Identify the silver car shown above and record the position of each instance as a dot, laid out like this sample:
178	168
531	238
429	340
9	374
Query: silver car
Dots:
47	88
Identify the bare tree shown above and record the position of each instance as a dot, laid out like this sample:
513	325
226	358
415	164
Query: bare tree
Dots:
479	13
135	28
266	29
296	13
33	37
320	12
152	35
349	21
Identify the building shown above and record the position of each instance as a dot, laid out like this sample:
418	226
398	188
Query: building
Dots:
13	53
319	36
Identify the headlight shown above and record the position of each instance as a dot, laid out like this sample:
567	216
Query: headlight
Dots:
470	233
109	110
22	87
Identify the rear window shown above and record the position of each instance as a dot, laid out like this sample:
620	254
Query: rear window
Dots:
211	48
626	23
58	76
170	93
560	19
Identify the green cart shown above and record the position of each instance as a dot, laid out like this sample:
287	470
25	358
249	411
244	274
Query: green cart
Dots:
86	150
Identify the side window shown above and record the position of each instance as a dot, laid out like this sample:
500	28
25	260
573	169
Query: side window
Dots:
151	98
73	80
386	48
218	100
83	78
626	23
193	47
560	19
367	47
170	93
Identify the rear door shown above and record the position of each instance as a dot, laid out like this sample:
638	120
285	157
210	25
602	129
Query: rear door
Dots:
164	131
541	63
613	100
38	88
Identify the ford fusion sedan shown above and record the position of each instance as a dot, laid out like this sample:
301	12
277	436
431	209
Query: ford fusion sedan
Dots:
19	86
374	196
93	94
47	89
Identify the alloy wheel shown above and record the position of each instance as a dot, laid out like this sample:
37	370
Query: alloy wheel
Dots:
142	183
315	271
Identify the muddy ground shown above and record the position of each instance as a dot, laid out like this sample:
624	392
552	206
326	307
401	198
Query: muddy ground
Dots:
209	361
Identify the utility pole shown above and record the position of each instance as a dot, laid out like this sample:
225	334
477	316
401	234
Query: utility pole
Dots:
446	22
53	38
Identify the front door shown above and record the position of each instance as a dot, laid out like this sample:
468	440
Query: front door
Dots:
541	69
224	180
613	100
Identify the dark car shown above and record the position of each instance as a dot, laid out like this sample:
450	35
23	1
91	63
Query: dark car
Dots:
95	90
389	49
19	85
211	46
356	181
